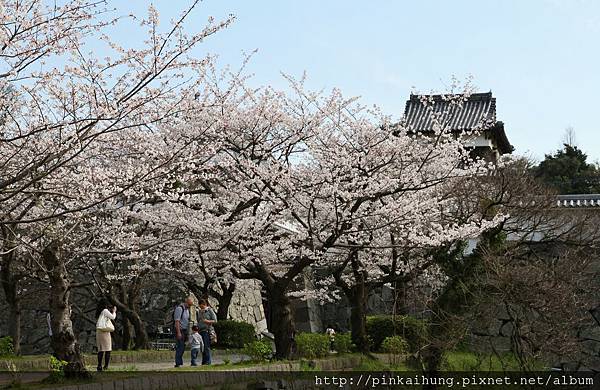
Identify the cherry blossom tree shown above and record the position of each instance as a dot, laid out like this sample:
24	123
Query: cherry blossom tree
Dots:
310	177
31	34
145	161
221	215
390	196
63	116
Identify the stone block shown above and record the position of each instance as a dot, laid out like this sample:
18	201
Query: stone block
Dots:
506	329
191	380
155	383
92	386
121	385
258	314
108	386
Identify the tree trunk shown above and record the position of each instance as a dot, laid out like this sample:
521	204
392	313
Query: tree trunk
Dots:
14	324
400	302
357	295
432	360
63	342
141	336
10	285
224	300
11	295
358	316
283	327
127	336
279	304
127	305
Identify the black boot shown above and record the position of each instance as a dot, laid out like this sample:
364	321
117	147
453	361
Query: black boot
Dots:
99	368
106	359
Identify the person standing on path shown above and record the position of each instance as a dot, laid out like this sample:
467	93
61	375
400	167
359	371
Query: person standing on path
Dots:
206	319
181	317
330	331
106	313
196	344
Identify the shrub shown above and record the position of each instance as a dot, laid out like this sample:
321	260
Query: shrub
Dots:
234	334
312	345
413	330
343	343
259	350
57	370
395	344
6	346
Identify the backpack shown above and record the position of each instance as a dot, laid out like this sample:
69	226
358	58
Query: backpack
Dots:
170	323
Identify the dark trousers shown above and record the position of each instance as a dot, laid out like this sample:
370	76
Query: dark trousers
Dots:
106	356
180	347
206	352
195	356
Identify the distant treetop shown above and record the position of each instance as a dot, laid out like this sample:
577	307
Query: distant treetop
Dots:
568	171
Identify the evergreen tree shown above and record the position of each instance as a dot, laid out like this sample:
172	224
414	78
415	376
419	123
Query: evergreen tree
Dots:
568	171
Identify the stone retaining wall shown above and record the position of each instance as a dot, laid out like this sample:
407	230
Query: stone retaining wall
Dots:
42	363
193	380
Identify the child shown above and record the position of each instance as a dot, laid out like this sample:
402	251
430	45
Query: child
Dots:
196	344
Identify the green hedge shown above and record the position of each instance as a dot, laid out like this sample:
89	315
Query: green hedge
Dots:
413	330
259	350
395	344
312	345
234	334
343	343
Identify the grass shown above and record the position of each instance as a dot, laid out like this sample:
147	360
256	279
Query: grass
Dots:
23	357
372	364
455	361
471	361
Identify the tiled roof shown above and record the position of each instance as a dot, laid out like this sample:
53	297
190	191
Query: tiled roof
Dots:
580	200
478	111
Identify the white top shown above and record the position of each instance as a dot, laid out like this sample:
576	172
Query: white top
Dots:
109	314
196	341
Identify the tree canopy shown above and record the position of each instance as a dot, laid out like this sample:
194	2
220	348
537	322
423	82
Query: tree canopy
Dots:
568	171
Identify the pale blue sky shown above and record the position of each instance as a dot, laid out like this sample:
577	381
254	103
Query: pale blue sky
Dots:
541	58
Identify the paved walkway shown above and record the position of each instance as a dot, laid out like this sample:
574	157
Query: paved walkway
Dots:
218	357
